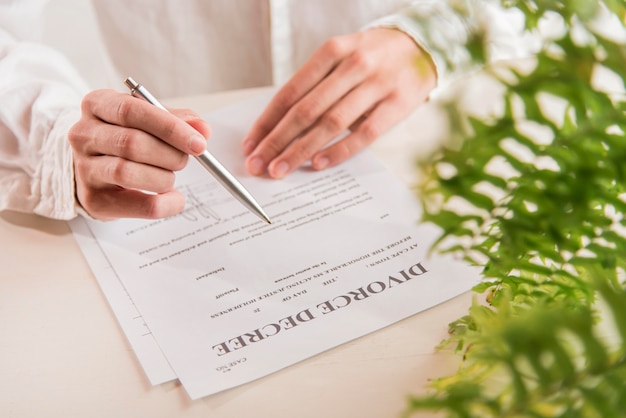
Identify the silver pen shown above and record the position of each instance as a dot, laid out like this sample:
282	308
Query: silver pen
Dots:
207	160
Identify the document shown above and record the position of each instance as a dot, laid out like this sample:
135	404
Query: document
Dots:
148	352
229	299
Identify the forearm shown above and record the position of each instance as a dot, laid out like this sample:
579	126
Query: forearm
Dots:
443	29
40	94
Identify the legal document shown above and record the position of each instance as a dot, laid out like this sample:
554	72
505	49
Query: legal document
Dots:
216	297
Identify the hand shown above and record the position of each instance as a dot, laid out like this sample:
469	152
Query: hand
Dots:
126	152
365	82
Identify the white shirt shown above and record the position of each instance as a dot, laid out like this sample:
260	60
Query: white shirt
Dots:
179	47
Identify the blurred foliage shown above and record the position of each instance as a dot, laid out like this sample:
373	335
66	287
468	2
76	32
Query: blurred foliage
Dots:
536	195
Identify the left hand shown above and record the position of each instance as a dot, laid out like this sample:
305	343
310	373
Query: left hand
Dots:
365	82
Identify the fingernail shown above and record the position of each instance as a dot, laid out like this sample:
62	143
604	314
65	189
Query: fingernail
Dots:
198	144
280	170
256	166
321	163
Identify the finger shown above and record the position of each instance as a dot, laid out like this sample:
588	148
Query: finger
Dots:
304	116
386	114
194	120
106	171
111	203
307	112
131	112
299	120
306	78
335	121
354	67
133	145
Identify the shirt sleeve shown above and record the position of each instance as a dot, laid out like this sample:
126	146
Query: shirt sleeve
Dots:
40	93
443	28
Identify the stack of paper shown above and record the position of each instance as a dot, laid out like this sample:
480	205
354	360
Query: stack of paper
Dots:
216	297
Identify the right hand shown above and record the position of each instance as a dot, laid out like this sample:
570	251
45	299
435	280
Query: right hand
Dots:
126	152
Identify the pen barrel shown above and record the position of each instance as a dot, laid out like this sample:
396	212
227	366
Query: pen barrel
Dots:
209	162
146	95
226	179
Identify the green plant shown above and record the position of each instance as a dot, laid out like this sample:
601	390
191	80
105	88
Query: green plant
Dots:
548	227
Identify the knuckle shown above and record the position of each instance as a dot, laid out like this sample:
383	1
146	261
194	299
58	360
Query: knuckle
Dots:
167	182
361	60
117	171
306	151
81	166
125	142
271	148
334	121
91	201
342	151
302	151
306	112
123	110
152	208
370	130
88	102
333	47
75	135
163	184
169	128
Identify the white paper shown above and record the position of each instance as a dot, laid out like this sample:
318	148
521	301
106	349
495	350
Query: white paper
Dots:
137	333
230	299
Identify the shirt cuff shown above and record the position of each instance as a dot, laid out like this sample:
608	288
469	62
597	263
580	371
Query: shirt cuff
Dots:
408	26
57	185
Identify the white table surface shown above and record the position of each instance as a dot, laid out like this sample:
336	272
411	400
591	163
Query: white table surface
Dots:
62	353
